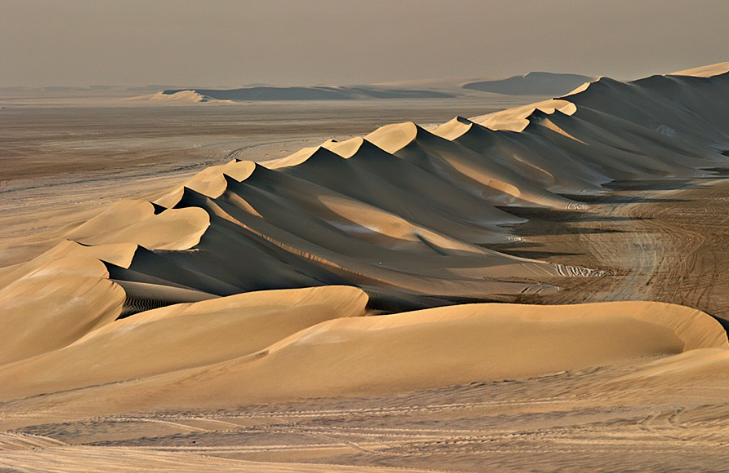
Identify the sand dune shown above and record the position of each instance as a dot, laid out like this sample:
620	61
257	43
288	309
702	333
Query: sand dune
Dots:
56	299
534	83
180	336
359	212
402	219
462	167
269	93
537	84
517	119
447	346
182	96
347	355
531	157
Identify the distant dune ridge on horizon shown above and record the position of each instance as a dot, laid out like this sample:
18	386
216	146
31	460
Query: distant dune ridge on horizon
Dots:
343	269
533	83
270	93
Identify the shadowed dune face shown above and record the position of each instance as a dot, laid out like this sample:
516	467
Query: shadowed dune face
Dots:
247	274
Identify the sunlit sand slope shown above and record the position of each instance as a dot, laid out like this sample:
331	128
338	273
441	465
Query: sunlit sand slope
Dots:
181	336
210	353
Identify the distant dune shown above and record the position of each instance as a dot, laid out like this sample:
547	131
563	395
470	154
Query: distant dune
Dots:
534	83
266	93
260	281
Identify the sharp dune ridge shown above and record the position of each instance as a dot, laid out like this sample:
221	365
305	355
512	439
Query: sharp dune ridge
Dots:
213	292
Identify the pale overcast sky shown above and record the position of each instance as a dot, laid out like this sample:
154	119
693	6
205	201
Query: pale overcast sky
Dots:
306	42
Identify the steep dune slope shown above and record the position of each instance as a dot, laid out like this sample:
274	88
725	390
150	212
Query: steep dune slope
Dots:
462	167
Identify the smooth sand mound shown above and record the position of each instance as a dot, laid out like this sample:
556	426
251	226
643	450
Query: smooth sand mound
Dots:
393	138
59	297
38	314
696	364
453	129
347	148
423	349
293	159
178	337
457	345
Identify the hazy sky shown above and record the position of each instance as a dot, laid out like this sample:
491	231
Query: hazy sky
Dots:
233	43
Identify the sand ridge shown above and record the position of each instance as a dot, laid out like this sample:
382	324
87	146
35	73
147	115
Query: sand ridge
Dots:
350	268
350	354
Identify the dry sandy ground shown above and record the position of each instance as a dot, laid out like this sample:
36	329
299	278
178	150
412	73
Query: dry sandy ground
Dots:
665	243
571	421
147	341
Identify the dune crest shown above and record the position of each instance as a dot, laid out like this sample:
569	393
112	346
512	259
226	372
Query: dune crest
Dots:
516	119
183	96
705	71
137	222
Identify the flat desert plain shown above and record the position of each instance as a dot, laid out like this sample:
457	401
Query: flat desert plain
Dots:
470	283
